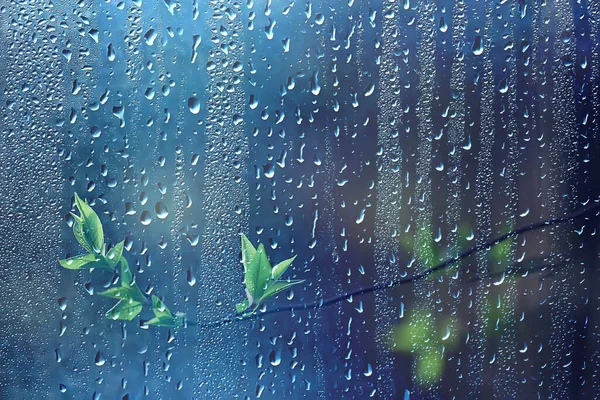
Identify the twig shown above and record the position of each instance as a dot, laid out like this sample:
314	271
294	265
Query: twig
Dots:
414	278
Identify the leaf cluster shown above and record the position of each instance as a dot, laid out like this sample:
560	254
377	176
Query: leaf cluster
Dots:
262	280
89	233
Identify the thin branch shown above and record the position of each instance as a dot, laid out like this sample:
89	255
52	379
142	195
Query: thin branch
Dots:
414	278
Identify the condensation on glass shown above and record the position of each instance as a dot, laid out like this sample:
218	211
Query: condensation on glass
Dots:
372	139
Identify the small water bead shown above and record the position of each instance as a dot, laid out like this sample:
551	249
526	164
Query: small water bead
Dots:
130	208
269	170
275	357
99	360
161	210
361	216
191	279
194	105
150	37
145	218
110	53
477	47
62	303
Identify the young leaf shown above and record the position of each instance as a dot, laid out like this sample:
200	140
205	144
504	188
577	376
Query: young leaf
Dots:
263	273
78	232
125	310
126	275
159	308
252	276
114	254
280	268
132	293
120	293
82	262
128	289
248	252
241	307
277	287
260	277
162	315
90	226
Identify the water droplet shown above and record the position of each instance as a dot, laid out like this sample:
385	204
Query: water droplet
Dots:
443	25
503	86
110	53
161	210
149	93
269	170
194	105
145	218
62	303
150	37
129	208
361	216
477	47
191	279
269	28
314	84
253	102
275	357
99	360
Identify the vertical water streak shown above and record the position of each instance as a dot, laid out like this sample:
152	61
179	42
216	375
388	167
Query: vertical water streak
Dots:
562	148
324	208
389	197
594	329
422	200
483	182
220	356
32	225
456	140
505	375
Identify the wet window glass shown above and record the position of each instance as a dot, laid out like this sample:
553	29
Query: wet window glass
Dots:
276	199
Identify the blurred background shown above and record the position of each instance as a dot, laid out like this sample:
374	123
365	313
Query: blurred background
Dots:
372	139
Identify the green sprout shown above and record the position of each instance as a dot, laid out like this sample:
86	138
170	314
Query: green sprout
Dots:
131	299
262	280
162	315
88	232
90	235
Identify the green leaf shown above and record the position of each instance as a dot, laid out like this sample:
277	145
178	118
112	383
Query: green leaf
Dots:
125	293
163	321
277	287
126	275
83	262
162	315
260	278
125	310
251	277
90	230
280	268
114	254
160	309
120	293
248	252
263	274
241	307
78	232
